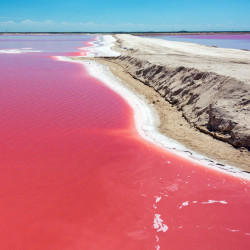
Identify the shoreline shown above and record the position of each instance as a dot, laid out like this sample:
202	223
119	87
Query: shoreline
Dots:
201	155
146	118
178	129
208	86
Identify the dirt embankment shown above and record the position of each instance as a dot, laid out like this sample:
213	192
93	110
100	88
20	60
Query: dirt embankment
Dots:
215	104
191	86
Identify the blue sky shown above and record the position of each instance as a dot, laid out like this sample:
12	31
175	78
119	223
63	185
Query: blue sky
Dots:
129	15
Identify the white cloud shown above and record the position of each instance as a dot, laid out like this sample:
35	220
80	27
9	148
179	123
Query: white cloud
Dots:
28	22
8	22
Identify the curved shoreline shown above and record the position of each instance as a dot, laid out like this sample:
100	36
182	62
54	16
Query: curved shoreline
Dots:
146	117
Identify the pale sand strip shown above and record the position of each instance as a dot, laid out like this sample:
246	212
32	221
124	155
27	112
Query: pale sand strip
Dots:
229	62
211	86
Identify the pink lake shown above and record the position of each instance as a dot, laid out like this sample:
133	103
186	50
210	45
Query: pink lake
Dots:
75	173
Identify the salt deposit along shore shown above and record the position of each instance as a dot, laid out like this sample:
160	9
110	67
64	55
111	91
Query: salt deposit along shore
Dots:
172	123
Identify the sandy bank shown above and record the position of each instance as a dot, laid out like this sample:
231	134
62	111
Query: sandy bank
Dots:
213	103
191	93
175	126
211	86
228	62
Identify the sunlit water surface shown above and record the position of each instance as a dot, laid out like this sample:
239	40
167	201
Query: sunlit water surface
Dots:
233	41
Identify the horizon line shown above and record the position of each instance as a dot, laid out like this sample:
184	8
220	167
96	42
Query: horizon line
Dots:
119	32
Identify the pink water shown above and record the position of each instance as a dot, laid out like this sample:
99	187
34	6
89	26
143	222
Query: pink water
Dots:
75	174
